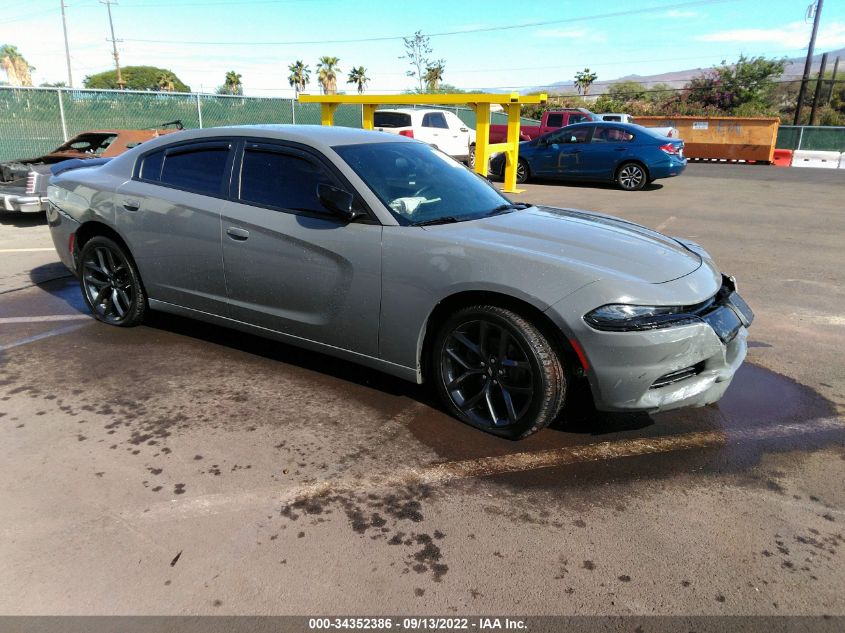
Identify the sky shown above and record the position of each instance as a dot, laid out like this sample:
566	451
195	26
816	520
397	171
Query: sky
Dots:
485	43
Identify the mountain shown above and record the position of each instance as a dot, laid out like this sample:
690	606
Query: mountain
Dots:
794	69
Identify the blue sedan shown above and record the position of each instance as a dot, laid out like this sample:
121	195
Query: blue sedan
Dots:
630	155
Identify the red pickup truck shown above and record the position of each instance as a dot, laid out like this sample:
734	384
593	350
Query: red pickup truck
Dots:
551	121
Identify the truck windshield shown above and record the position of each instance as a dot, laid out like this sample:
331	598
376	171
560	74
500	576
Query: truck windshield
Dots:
418	183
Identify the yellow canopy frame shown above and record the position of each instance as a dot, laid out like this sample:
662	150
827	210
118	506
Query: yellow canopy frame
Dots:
480	104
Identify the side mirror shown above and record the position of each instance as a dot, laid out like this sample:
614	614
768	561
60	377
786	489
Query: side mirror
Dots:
338	201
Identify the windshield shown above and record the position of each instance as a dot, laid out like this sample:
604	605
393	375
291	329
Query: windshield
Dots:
421	184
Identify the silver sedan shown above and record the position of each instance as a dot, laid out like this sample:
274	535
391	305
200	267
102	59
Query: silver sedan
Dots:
384	251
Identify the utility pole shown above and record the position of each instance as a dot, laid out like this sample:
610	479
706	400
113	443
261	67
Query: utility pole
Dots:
817	96
809	63
120	83
67	48
833	80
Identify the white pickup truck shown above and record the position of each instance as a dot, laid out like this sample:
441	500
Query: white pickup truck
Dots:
440	128
671	132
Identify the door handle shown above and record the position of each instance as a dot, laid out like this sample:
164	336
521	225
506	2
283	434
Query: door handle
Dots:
131	204
621	149
237	234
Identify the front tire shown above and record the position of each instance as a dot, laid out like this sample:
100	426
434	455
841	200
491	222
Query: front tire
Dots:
110	283
471	158
631	177
496	371
522	172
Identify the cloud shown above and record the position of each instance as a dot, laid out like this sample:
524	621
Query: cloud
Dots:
793	35
571	34
678	13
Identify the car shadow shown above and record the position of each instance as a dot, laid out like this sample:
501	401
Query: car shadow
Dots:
23	220
578	184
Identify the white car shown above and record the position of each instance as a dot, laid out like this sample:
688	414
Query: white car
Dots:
440	128
618	117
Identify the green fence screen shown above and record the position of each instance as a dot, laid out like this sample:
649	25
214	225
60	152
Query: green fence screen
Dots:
34	121
828	139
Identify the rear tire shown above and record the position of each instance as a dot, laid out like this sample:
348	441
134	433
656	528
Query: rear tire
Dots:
471	158
496	371
631	176
110	283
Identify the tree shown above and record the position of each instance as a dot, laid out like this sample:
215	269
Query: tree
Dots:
327	69
231	85
166	81
136	78
748	84
583	80
53	84
358	76
660	92
417	50
434	75
626	90
18	70
299	76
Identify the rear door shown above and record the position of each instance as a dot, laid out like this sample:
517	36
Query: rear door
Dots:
608	147
435	130
170	214
291	266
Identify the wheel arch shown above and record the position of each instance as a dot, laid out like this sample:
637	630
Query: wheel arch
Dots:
95	228
454	302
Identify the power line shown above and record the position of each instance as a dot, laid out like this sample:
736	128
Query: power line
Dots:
488	29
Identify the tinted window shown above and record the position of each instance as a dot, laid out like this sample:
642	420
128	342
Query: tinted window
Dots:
277	179
435	119
612	117
151	166
554	120
611	135
196	169
577	118
391	119
570	135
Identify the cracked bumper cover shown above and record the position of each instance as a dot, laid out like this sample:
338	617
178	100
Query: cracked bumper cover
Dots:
624	366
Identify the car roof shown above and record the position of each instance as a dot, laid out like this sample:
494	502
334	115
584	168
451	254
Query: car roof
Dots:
318	136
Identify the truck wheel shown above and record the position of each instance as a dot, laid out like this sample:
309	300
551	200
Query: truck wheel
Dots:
471	158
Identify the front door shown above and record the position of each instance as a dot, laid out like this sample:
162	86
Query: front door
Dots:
291	266
561	156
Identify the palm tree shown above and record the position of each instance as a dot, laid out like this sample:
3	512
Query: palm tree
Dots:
434	75
583	80
232	85
17	68
166	82
299	76
327	70
358	76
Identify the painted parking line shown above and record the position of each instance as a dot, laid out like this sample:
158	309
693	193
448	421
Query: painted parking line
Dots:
45	319
440	474
43	335
26	250
662	226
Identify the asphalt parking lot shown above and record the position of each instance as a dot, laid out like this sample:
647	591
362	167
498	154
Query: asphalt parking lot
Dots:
180	468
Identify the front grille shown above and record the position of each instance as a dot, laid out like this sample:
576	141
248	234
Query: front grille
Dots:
677	376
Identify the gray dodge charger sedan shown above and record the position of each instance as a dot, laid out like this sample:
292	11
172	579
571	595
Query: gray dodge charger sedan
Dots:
384	251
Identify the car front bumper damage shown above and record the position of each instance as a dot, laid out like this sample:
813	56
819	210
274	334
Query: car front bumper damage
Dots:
669	368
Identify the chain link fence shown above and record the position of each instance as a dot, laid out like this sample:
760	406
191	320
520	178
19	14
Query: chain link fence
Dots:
34	121
828	139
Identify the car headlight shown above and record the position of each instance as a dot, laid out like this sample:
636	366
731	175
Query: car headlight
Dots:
617	317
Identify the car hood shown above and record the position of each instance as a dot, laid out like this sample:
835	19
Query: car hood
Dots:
607	246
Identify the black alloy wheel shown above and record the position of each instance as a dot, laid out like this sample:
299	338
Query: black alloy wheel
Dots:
497	372
110	283
522	172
